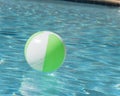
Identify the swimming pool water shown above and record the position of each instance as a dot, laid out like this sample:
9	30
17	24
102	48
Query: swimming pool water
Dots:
92	37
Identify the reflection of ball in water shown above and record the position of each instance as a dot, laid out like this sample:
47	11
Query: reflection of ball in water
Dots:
45	51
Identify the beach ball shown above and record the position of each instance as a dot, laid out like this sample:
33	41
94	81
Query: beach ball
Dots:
45	51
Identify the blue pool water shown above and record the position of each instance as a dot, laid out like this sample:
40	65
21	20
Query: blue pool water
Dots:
92	37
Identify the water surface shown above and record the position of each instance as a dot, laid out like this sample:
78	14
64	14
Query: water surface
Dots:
92	37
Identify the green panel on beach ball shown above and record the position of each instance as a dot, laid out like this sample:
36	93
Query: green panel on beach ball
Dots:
55	53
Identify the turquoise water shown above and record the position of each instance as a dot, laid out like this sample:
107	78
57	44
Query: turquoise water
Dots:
92	37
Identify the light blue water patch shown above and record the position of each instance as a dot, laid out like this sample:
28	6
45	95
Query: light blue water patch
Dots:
92	37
